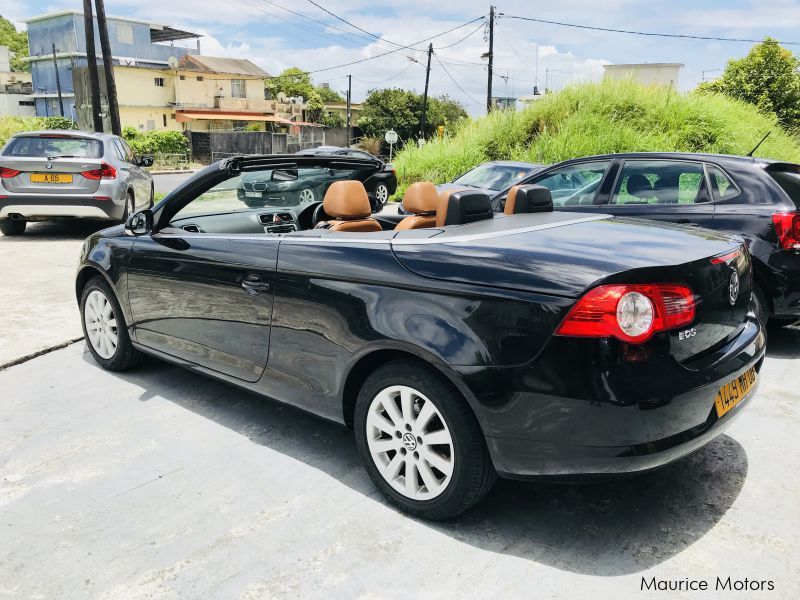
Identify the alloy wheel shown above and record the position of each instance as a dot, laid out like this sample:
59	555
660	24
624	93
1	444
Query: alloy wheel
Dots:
306	196
101	324
382	193
409	442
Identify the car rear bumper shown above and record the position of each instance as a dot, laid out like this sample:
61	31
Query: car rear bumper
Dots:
65	207
601	417
784	283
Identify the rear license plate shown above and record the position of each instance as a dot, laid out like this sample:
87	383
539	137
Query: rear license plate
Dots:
730	394
50	178
252	194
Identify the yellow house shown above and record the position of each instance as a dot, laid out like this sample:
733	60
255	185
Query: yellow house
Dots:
197	93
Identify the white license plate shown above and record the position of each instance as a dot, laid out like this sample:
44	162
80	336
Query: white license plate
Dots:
252	194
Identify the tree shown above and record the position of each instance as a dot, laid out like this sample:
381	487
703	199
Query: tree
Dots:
329	95
333	120
292	82
401	110
769	77
17	42
315	108
296	82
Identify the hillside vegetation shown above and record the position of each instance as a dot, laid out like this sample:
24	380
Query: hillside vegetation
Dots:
587	119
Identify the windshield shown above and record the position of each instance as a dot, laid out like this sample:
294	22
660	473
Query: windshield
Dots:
494	177
269	188
42	146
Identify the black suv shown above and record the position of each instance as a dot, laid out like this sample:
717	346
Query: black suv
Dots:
755	198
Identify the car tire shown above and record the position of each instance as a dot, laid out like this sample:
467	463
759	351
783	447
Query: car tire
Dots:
447	453
104	330
130	207
783	322
12	226
760	305
382	193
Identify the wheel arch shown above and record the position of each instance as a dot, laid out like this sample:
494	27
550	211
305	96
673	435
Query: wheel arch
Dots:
371	360
87	272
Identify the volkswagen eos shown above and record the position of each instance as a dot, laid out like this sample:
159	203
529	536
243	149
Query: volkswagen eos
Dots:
458	344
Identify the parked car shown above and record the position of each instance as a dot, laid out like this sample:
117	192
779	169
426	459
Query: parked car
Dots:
48	175
458	346
493	177
754	198
382	184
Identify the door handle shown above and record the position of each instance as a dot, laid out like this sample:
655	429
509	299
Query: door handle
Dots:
253	285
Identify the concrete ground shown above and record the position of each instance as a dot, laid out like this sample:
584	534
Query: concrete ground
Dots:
37	298
163	484
168	181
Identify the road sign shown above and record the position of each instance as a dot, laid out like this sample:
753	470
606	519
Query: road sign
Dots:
391	139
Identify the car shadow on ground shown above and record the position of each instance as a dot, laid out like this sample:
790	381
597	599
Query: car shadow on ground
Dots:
48	231
610	528
783	342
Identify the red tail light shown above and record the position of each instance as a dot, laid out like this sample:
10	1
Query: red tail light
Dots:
7	173
106	171
787	226
630	313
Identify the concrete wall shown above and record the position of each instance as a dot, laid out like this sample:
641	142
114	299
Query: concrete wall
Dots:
646	74
10	105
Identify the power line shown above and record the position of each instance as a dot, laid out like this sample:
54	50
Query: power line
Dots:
646	33
463	91
470	34
412	61
353	25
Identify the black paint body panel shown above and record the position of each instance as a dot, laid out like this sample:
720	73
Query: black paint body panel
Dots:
479	302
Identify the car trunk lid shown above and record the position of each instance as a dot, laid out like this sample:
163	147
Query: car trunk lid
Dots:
50	176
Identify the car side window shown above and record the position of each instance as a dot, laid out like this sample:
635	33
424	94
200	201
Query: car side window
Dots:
117	149
722	187
575	184
123	150
660	182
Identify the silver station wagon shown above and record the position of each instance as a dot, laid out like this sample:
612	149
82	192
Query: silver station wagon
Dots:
55	174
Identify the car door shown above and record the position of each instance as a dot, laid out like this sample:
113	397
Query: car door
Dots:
575	186
139	179
665	190
201	288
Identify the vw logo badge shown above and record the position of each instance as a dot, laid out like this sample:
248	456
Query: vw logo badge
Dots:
733	289
48	166
410	442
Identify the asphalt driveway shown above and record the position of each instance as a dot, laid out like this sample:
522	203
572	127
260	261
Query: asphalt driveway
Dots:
161	483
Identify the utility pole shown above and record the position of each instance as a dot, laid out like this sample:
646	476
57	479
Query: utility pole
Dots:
425	95
490	56
91	60
58	83
349	113
108	67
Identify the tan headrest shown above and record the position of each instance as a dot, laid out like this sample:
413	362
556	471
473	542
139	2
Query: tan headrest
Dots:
420	198
346	200
511	201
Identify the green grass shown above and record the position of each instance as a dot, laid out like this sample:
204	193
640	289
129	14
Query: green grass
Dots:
588	119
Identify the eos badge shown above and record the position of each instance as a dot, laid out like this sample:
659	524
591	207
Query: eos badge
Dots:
687	333
733	289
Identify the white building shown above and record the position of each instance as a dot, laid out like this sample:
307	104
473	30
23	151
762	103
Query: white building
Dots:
15	89
646	73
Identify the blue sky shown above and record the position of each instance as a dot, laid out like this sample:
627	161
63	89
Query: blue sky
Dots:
267	33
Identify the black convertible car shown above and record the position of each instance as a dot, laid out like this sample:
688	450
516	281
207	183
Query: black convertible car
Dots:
755	198
457	343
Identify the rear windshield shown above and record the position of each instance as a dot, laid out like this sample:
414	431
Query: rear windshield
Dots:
790	182
44	146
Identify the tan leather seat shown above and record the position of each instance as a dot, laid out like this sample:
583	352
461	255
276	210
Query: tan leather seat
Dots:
528	199
420	200
347	204
459	207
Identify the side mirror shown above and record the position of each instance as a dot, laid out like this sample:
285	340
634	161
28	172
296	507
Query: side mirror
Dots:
140	223
145	161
